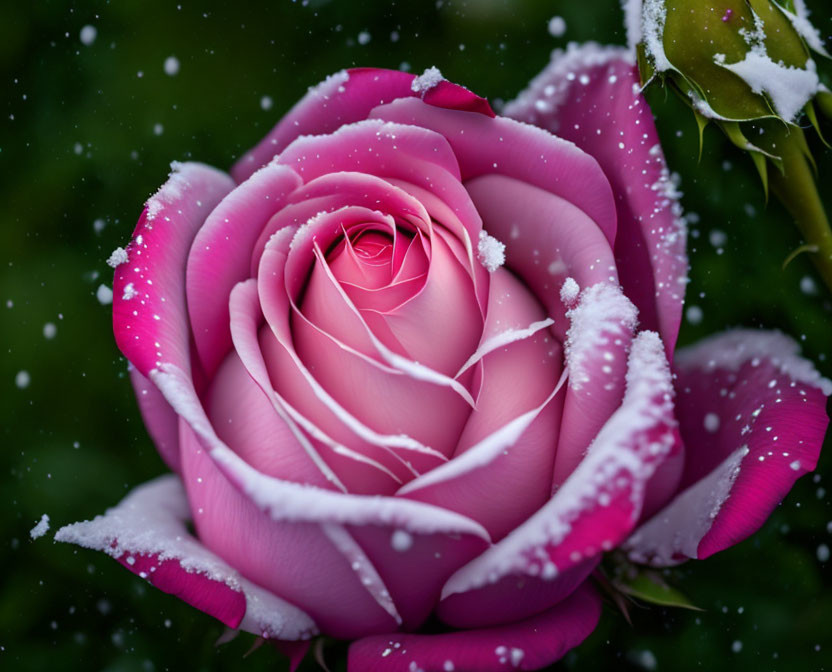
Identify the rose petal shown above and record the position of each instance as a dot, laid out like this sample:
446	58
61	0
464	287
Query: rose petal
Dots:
146	533
544	558
601	328
547	239
508	445
341	593
531	644
245	419
484	146
220	254
150	318
295	504
159	418
344	98
753	416
591	95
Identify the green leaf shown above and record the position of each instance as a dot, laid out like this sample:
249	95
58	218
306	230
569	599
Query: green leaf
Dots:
648	586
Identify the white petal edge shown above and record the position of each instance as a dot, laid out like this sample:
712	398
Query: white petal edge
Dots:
151	520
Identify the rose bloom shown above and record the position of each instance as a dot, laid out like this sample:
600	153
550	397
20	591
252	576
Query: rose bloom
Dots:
415	361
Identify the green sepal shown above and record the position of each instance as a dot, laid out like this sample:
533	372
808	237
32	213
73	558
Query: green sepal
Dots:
648	586
813	119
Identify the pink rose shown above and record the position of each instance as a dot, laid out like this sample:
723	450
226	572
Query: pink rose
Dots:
413	358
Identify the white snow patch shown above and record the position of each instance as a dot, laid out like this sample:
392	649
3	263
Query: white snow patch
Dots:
151	521
169	193
569	291
602	315
117	257
788	88
430	78
41	528
673	535
491	252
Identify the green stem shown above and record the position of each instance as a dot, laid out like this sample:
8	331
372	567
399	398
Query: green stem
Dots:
795	187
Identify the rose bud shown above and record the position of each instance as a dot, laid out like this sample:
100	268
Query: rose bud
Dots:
412	360
746	67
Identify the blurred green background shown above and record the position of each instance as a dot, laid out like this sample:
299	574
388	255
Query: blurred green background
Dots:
91	118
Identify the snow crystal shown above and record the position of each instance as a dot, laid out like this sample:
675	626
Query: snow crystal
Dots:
158	129
694	315
823	553
427	80
808	285
22	379
117	258
266	103
49	330
401	540
41	528
364	38
171	66
736	647
98	225
88	35
557	26
491	252
104	295
569	291
711	422
129	291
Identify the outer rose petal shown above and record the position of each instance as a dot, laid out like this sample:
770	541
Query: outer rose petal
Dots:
160	419
347	97
531	644
753	416
146	533
503	146
220	256
150	316
591	96
342	593
543	560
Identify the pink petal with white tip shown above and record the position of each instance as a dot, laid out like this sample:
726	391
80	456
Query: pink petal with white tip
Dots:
501	146
543	559
347	97
752	414
150	320
221	253
146	533
591	95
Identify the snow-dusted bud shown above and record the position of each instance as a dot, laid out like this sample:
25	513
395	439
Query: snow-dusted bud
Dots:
748	67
